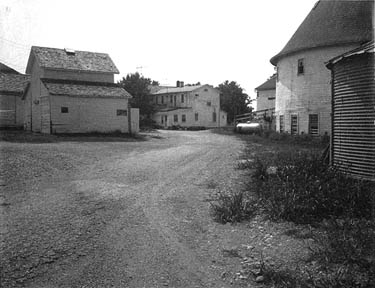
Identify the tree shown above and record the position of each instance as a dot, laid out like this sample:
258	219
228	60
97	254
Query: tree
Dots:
233	100
138	87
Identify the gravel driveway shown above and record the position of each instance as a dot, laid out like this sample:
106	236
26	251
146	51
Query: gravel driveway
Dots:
116	214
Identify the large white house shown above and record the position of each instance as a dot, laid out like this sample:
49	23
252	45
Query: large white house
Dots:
188	106
303	91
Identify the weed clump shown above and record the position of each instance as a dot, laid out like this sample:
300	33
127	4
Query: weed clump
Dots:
230	208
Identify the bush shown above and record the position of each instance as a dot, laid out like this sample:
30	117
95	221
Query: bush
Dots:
303	189
232	208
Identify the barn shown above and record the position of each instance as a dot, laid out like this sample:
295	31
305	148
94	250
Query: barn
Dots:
353	111
74	92
303	90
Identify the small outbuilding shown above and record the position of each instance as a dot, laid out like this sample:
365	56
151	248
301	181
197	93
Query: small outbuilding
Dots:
12	87
353	111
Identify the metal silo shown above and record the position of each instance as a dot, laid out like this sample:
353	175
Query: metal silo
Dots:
353	111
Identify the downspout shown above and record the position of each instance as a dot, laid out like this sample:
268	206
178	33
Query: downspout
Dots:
332	122
129	119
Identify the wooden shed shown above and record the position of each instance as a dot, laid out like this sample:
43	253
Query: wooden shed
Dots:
353	111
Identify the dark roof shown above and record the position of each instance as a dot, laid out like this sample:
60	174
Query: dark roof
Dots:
54	58
85	89
166	90
270	84
368	47
13	84
332	23
6	69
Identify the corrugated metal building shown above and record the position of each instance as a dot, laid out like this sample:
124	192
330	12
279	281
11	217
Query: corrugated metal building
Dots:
353	111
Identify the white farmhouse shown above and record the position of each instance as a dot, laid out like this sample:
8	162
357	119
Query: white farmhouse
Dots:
188	106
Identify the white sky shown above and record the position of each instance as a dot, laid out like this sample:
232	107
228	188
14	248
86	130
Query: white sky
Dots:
187	40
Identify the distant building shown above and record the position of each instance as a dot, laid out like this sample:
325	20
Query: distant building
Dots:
74	92
303	90
12	87
266	94
188	106
353	111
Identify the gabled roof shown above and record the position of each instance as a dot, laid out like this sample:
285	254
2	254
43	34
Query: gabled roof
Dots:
84	89
270	84
368	47
13	84
63	59
167	90
6	69
330	23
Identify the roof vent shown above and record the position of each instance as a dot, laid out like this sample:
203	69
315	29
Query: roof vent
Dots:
70	51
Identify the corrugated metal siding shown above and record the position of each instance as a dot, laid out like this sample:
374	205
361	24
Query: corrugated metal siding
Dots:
353	142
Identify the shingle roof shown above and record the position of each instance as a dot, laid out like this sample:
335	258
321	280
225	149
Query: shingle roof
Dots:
79	60
332	23
6	69
84	89
13	84
166	90
268	85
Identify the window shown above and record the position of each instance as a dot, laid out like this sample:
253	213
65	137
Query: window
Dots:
182	98
301	68
157	99
183	118
196	116
208	103
162	119
162	99
214	117
281	123
313	124
64	110
205	90
196	95
171	99
121	112
294	125
175	118
174	99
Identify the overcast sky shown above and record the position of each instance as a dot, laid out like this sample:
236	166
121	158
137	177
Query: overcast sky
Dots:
165	40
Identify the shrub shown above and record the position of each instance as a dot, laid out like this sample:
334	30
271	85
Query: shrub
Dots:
303	189
232	208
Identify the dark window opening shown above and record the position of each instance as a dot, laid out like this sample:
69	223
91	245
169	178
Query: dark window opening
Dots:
183	118
205	90
214	117
281	123
301	67
182	98
196	116
294	125
208	103
162	119
171	99
162	99
313	124
175	118
64	110
121	112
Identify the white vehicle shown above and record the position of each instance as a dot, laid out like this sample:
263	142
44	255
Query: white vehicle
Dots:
249	127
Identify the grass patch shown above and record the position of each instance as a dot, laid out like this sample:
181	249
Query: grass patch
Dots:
232	208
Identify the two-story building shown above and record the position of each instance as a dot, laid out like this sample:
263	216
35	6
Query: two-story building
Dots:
74	92
266	94
188	106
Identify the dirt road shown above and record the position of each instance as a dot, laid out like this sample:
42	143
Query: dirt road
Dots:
116	214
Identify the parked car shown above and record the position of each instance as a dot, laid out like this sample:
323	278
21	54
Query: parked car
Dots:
249	127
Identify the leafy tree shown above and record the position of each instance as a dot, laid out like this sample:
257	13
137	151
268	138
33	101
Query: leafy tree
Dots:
138	87
233	100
